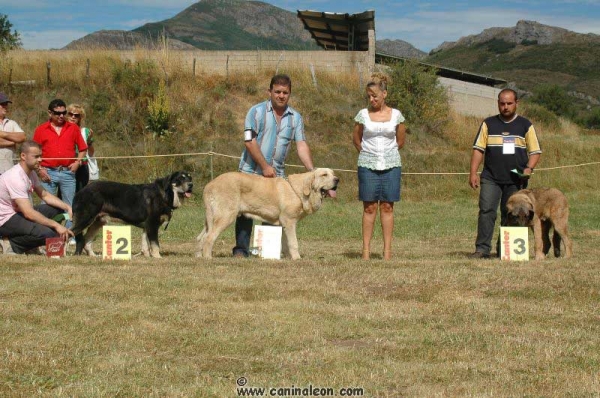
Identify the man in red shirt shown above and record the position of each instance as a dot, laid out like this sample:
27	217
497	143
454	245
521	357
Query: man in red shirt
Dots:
59	139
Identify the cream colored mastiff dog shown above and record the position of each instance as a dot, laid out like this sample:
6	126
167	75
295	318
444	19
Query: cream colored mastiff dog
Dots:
277	201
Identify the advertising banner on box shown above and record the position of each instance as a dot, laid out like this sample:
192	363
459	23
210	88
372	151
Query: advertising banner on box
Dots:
514	243
55	247
267	239
116	242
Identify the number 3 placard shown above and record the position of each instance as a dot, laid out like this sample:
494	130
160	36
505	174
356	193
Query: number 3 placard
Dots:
116	242
514	243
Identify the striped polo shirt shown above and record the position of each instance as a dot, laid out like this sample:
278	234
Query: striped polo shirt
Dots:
494	136
274	141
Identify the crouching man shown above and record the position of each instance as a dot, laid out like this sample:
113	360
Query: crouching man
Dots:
26	226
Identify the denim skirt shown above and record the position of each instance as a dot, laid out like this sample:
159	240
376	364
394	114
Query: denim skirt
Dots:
379	185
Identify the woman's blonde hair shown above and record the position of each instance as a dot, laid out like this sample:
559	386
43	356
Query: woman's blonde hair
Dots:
77	108
378	79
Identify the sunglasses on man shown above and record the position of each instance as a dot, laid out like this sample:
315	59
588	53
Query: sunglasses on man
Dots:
59	113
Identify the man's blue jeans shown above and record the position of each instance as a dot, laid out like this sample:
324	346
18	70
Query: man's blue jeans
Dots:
490	196
65	180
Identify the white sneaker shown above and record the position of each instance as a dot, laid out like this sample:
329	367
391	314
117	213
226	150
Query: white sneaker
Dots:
6	247
72	242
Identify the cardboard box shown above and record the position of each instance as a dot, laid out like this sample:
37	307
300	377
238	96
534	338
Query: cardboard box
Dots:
55	247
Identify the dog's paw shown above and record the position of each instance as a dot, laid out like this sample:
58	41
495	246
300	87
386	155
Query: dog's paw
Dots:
540	256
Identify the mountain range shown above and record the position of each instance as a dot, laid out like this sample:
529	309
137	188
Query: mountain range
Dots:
529	54
214	25
526	55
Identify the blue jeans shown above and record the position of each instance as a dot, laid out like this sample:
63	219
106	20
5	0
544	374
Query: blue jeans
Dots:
491	195
65	180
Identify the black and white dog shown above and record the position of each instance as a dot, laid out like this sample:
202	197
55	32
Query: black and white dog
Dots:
146	206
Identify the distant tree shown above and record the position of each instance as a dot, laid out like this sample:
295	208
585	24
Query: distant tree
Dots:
554	98
415	91
8	40
592	121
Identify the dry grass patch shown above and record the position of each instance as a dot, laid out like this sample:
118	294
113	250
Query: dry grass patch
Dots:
430	322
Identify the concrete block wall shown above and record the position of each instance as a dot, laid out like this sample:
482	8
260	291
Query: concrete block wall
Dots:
223	62
471	99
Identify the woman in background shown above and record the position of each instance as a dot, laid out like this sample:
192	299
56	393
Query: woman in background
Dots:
76	114
379	133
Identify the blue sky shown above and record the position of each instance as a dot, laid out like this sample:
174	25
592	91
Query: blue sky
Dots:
53	24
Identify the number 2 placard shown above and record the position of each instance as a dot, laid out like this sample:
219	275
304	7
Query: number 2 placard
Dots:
514	243
116	242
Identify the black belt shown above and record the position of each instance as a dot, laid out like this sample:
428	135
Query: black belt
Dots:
59	168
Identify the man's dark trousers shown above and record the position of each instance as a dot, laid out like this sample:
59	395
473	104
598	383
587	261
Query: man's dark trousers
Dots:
25	235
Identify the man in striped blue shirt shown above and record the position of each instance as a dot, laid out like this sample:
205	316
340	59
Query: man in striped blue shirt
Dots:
269	130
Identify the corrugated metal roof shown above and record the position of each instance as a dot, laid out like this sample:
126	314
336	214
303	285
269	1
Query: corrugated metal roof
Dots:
334	31
350	32
443	71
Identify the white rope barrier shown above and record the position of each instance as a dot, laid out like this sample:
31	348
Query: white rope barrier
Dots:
211	153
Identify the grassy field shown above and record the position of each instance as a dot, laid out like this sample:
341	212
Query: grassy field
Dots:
428	323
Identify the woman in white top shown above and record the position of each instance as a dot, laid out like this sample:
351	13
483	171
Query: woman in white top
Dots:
378	134
76	114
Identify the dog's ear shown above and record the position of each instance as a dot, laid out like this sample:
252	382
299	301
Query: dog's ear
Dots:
165	182
174	176
308	183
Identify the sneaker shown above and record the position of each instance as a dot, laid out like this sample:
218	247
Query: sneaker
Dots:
36	251
6	247
72	242
479	255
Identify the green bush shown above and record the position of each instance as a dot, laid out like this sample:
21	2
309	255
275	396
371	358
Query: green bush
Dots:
159	112
555	99
415	91
498	46
540	115
526	42
137	81
592	121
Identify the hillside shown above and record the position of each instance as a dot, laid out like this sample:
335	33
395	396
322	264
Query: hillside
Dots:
527	55
122	40
225	25
213	25
234	25
399	48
